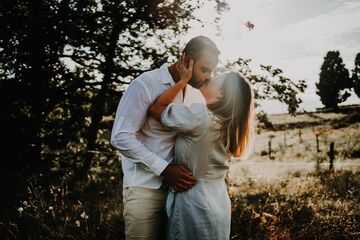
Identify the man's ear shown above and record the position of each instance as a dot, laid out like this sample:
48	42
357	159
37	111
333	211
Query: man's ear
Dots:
187	60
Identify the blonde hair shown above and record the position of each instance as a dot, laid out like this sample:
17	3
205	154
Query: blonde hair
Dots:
235	111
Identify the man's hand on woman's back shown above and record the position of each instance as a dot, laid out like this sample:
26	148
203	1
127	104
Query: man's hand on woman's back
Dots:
179	177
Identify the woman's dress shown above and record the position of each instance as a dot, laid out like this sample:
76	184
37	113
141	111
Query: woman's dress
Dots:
204	211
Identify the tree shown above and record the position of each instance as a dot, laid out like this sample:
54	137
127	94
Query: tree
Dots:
114	41
356	75
271	84
334	78
64	65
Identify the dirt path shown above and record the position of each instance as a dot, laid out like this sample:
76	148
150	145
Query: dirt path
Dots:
267	170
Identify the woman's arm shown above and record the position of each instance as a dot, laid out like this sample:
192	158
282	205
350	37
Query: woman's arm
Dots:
168	96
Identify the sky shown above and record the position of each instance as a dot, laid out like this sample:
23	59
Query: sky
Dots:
293	35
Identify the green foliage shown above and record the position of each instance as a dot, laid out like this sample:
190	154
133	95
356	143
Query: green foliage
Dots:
356	75
264	121
334	78
271	84
64	65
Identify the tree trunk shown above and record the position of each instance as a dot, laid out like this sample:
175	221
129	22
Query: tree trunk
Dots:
97	111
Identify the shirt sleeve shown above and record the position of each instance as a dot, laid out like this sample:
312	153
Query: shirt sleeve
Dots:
130	116
190	120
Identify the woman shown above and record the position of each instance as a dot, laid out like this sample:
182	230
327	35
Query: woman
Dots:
207	137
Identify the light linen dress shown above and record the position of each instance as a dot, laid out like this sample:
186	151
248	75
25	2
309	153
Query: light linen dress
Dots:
204	211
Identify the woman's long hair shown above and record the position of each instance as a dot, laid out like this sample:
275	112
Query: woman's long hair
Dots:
235	110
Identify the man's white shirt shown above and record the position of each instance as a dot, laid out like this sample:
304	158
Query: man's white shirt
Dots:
145	144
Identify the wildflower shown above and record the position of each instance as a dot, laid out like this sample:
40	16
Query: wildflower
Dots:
20	209
83	215
50	208
77	222
25	203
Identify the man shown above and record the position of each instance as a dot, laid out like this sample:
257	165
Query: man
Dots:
147	146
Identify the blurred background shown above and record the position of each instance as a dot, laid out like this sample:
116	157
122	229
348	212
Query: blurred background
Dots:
64	65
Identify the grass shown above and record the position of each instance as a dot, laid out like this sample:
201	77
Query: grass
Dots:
318	205
92	210
311	203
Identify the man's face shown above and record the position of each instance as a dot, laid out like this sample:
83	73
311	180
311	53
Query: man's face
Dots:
203	69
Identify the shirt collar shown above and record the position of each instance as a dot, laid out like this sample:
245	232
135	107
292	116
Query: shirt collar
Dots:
165	75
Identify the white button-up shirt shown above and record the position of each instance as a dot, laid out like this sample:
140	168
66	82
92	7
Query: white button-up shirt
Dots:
145	144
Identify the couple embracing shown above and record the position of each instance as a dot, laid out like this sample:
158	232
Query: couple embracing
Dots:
176	128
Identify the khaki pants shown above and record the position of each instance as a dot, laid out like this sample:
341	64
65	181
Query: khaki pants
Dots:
144	213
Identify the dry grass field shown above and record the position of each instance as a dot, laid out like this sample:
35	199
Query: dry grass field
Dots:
292	193
288	194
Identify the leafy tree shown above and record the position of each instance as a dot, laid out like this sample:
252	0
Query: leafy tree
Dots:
271	84
30	76
356	75
334	78
51	111
111	42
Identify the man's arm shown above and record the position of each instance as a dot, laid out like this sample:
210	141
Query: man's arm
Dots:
130	116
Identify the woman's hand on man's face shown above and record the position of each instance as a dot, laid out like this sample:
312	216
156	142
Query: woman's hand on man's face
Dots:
185	69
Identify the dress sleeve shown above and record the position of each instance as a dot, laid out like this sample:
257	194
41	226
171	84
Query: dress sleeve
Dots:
191	120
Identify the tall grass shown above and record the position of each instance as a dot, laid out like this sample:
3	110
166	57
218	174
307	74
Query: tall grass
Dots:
317	205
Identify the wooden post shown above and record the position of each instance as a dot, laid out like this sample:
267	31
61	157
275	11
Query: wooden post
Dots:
317	142
284	139
269	149
300	138
331	156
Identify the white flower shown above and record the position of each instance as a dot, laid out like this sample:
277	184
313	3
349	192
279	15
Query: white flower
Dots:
50	208
83	215
25	203
20	209
77	223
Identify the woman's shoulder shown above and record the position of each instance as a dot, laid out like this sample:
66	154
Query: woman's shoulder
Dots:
187	118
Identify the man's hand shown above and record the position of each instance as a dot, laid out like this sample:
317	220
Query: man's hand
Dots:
179	177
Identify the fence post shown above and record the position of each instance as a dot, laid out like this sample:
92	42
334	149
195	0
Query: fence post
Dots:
285	139
331	156
269	149
317	141
300	138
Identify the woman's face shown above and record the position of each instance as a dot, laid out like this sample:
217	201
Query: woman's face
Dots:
212	90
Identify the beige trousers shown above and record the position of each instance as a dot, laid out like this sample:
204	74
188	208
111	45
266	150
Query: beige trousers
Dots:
144	213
